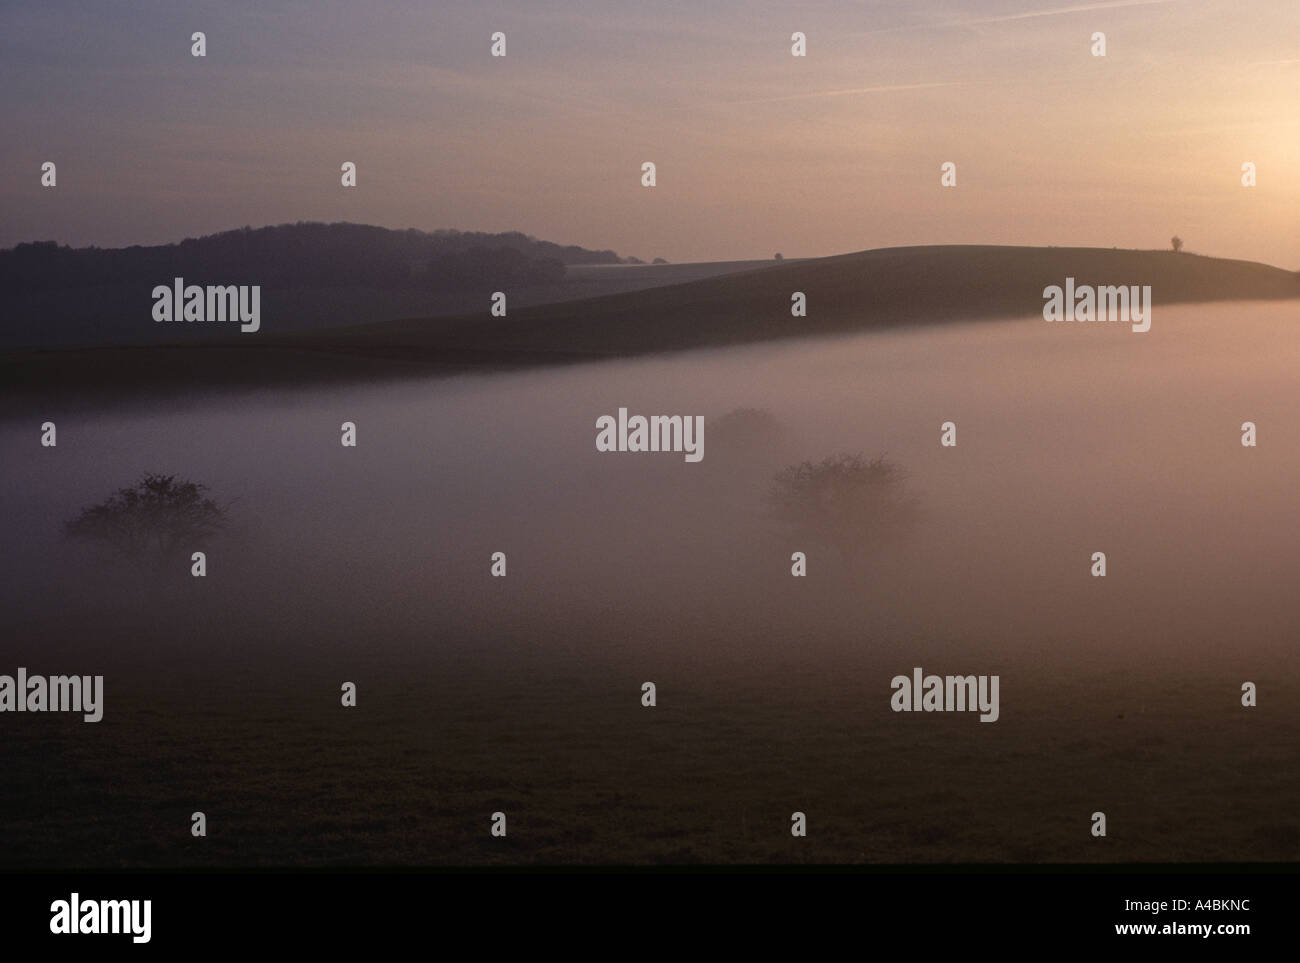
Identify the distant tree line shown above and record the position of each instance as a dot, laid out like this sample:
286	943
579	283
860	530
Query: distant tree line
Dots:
305	254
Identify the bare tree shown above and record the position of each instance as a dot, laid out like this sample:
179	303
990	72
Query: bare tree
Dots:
154	523
852	503
1177	243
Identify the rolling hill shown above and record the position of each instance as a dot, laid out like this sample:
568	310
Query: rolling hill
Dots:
848	293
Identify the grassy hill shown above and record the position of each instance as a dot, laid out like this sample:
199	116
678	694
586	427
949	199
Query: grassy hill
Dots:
848	293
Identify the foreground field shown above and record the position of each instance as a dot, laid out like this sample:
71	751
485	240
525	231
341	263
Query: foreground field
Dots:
286	776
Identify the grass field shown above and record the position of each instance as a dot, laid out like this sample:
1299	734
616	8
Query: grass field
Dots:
586	775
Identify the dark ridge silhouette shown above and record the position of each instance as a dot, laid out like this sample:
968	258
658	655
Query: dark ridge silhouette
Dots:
849	293
285	255
320	274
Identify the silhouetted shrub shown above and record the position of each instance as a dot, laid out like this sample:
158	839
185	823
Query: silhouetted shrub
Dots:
155	523
849	502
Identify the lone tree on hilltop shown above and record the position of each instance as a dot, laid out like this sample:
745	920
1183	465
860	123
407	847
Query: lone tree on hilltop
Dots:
1176	243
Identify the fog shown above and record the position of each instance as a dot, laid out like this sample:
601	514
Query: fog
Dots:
1071	439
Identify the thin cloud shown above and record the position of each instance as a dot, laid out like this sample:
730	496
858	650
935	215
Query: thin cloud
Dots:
881	89
1025	15
1219	128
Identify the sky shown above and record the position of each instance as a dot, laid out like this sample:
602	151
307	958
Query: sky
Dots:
756	151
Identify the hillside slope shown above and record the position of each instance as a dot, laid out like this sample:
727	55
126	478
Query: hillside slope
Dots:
851	292
848	293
